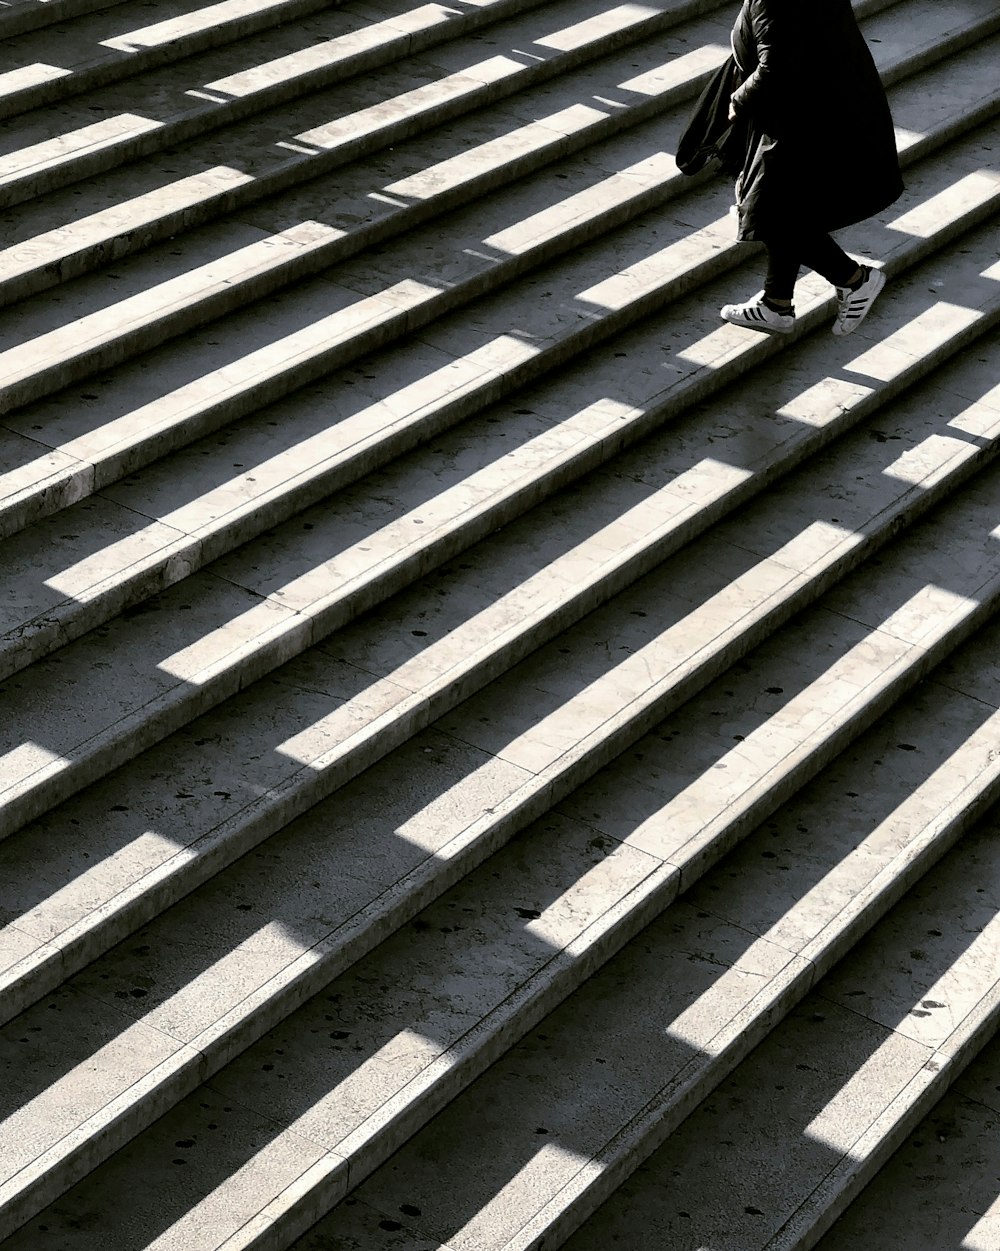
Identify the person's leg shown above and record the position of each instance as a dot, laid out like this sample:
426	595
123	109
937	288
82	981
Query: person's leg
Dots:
858	286
771	311
828	259
783	262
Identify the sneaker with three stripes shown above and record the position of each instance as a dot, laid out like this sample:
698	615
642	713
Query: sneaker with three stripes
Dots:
756	315
856	302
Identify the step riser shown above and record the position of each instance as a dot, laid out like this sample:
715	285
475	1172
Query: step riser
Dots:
298	171
21	18
365	935
148	58
410	124
136	735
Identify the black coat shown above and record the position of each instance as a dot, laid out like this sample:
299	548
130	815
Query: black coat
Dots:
821	152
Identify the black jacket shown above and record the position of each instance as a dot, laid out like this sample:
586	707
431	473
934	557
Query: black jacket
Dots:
821	152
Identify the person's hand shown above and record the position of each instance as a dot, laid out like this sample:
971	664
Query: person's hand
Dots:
732	110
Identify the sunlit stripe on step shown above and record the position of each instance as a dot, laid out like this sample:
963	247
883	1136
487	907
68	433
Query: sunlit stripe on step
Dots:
678	70
410	104
932	460
190	23
896	353
330	52
73	144
906	139
52	246
617	188
949	206
28	759
494	153
985	1233
89	332
647	275
27	76
599	26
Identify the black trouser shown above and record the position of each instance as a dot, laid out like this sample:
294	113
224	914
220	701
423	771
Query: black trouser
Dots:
814	250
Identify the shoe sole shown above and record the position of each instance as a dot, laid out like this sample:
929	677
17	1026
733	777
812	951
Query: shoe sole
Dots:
759	326
841	331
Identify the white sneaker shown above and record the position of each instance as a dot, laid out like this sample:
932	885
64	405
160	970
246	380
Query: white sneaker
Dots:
756	315
854	305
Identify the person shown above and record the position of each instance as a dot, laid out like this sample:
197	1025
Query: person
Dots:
820	153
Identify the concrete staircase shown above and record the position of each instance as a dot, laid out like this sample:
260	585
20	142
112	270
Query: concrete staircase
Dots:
491	758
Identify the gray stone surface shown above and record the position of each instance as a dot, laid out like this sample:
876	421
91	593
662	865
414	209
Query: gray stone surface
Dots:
589	1067
743	1163
311	858
939	1190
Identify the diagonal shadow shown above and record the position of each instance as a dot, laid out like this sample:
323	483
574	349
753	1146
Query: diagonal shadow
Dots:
303	695
123	965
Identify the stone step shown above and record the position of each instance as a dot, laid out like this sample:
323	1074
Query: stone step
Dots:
361	1066
627	1093
358	110
548	721
109	552
63	234
180	670
571	428
840	1085
18	16
176	289
112	43
940	1187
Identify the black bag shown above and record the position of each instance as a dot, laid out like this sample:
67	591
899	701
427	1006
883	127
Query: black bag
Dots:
710	135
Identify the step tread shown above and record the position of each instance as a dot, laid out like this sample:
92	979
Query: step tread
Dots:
178	101
594	876
688	483
147	533
216	1009
112	43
